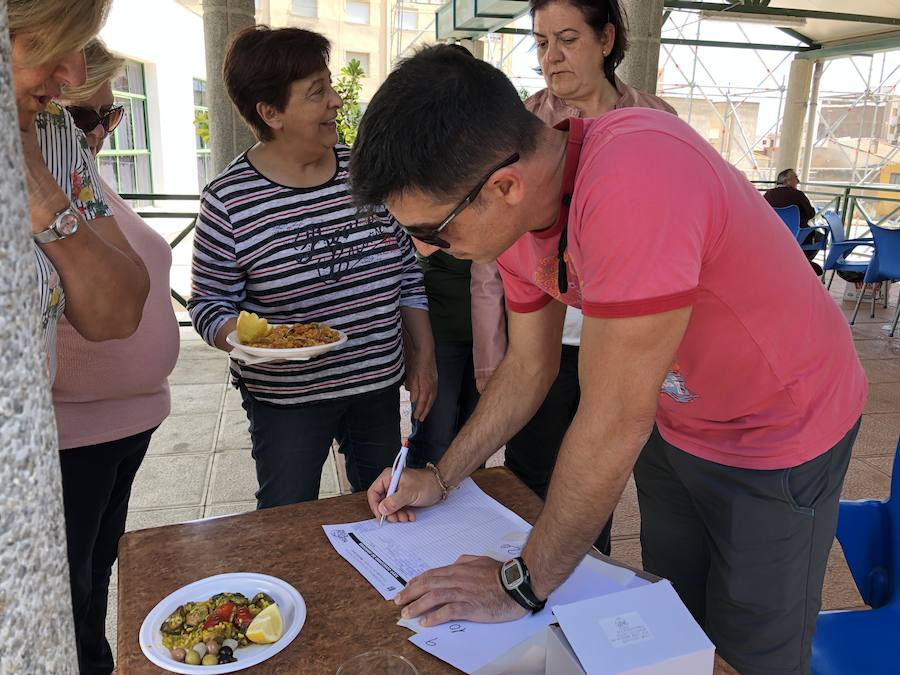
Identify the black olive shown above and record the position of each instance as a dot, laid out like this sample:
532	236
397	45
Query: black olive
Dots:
223	660
225	650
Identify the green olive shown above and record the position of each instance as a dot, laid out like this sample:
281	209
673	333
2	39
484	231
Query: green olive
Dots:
210	660
192	658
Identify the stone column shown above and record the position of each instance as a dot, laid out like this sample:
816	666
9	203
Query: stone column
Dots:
812	122
228	135
475	46
37	632
641	64
792	119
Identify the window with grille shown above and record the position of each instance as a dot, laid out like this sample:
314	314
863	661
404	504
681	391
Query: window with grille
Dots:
125	161
201	127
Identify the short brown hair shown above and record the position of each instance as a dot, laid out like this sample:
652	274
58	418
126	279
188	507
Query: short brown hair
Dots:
56	27
102	66
262	63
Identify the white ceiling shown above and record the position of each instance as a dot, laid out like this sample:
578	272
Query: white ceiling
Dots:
826	31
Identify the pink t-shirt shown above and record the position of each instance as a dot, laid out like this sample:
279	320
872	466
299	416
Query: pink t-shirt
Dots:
109	390
766	376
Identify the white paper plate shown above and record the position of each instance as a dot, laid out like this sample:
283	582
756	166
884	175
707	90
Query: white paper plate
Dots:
288	354
290	603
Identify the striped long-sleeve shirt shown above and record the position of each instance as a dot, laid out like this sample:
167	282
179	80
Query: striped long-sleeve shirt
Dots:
300	255
68	158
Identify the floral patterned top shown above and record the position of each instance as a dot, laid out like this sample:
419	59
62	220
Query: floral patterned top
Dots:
69	159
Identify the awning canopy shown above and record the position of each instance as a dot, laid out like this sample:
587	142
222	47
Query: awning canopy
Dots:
825	28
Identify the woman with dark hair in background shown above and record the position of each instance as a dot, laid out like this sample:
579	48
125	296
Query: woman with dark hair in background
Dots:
279	235
579	45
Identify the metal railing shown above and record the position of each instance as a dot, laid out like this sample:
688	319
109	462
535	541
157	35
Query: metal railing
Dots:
859	205
150	213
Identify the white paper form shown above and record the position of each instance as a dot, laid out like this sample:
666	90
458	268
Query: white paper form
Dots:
468	523
634	630
471	646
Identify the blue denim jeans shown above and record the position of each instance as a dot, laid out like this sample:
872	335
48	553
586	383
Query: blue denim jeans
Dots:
291	443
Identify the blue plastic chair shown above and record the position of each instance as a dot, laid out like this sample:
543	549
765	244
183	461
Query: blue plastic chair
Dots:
866	641
841	247
820	245
791	217
884	266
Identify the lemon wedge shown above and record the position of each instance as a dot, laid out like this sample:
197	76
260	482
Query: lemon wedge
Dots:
250	327
266	627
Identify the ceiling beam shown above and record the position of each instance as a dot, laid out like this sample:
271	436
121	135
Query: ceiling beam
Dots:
870	45
736	45
809	42
744	8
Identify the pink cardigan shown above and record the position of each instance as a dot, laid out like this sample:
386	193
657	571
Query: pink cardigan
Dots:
488	309
105	391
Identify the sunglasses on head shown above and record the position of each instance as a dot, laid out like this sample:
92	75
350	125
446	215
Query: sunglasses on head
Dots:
429	235
87	119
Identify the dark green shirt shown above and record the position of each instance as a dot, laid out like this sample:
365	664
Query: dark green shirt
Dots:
447	284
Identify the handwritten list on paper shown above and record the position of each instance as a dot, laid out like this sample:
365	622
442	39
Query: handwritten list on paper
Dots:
469	522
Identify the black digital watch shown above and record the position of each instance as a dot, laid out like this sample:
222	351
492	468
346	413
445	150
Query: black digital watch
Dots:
516	581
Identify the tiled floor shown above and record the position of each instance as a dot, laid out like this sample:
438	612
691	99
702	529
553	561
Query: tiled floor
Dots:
199	462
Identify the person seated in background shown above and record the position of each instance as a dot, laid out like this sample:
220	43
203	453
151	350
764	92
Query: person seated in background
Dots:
786	193
279	235
109	397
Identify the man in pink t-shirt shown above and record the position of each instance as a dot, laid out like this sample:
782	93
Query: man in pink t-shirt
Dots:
695	300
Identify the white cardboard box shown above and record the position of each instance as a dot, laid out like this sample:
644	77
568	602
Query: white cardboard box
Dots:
640	631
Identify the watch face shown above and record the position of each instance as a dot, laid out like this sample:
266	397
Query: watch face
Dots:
512	574
67	224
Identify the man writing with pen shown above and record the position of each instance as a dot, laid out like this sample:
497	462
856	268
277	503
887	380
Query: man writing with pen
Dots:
739	443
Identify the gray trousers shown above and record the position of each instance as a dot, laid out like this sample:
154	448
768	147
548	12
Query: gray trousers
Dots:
745	549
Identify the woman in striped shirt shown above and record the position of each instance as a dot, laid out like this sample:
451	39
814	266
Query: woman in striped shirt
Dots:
279	235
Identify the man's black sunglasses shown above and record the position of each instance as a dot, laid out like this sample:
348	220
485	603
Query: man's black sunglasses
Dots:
87	119
429	235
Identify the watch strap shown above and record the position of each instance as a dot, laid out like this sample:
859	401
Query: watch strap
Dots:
46	236
51	233
525	588
523	593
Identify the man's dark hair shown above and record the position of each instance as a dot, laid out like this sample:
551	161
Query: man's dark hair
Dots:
598	13
262	63
437	124
782	176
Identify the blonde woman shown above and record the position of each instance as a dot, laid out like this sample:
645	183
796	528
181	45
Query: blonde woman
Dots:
70	220
85	267
109	397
